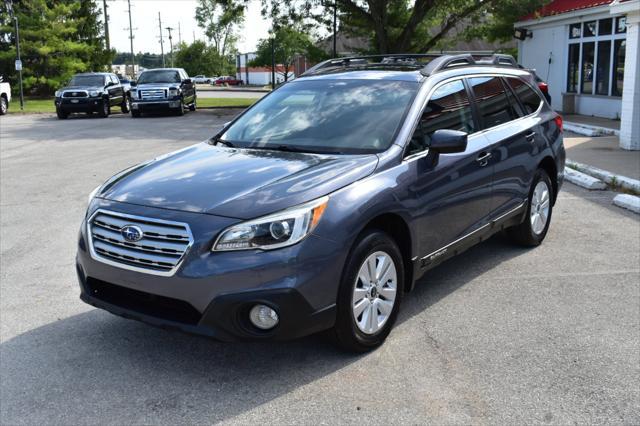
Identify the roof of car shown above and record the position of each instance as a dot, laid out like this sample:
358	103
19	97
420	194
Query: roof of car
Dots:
163	69
94	73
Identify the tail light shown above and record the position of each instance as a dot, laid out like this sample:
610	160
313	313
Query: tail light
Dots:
544	87
558	121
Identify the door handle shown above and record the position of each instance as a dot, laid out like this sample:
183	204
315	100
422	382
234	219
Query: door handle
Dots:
483	158
530	136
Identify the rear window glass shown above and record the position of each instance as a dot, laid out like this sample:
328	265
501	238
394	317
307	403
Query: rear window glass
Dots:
493	105
528	98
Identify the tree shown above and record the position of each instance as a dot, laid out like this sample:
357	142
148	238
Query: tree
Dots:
288	43
57	39
395	26
220	20
196	58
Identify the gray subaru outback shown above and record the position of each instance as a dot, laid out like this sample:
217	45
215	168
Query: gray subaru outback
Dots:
319	207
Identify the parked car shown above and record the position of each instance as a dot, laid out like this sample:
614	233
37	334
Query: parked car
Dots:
201	79
320	206
126	85
228	80
89	93
163	89
5	96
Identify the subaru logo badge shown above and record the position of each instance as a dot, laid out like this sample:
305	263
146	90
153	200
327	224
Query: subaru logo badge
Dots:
131	233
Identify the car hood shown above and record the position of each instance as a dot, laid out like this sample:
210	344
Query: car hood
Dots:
235	182
87	88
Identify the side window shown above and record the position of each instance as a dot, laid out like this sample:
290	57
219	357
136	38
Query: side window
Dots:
448	108
114	79
491	98
528	98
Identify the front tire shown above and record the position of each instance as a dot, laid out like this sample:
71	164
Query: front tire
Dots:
104	109
370	293
61	114
194	105
126	105
4	105
135	114
532	231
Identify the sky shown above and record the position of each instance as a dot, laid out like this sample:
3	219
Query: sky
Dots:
144	16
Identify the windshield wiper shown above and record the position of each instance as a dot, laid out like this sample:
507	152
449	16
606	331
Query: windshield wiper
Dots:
289	148
216	140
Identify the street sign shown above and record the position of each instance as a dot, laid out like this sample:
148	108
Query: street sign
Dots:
18	65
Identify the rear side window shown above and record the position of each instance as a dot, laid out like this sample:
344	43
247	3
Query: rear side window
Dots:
528	98
491	98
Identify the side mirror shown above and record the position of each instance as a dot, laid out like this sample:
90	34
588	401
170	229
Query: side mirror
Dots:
133	83
445	141
110	83
186	81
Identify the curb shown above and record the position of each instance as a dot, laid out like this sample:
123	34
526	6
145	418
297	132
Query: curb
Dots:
583	180
608	177
203	89
589	130
629	202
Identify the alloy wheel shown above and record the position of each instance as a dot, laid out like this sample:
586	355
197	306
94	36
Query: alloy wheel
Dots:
374	292
539	214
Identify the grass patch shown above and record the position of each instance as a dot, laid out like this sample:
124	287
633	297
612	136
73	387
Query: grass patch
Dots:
34	105
225	102
31	105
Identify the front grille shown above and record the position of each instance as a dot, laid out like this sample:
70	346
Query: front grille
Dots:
149	304
153	94
159	251
75	94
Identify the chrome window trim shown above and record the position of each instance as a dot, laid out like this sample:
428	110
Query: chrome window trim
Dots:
97	257
416	118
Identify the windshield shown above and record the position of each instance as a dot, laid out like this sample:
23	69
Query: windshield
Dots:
164	76
87	80
339	116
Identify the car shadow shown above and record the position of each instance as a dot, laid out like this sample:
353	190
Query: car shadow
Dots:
94	362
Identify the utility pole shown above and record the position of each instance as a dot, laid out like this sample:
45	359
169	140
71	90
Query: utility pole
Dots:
335	26
133	59
170	43
179	35
106	25
161	43
9	5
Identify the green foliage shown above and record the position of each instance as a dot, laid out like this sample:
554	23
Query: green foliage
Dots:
220	20
288	43
58	38
394	26
145	60
198	58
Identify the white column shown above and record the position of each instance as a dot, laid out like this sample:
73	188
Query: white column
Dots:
630	115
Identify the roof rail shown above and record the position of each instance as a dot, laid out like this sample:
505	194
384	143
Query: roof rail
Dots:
427	63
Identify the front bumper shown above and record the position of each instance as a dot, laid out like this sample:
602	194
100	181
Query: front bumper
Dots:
211	293
157	105
79	104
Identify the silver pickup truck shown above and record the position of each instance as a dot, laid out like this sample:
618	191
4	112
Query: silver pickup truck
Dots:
163	89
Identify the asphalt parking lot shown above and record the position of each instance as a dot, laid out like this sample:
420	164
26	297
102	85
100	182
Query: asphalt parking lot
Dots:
499	335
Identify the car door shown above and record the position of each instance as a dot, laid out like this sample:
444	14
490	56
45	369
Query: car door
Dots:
508	137
451	198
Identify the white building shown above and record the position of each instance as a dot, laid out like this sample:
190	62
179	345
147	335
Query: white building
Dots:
257	75
587	51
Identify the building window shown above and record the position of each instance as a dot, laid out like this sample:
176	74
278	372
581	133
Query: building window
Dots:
589	29
588	51
575	31
619	48
595	64
602	70
604	26
574	57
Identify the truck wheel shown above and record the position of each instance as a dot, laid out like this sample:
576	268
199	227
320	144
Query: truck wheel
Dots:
4	106
194	105
370	292
135	114
180	110
533	229
61	114
126	104
104	109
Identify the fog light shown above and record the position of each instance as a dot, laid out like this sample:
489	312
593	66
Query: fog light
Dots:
263	317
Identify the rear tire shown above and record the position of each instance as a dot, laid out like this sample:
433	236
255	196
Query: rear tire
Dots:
532	231
370	293
126	105
194	105
4	105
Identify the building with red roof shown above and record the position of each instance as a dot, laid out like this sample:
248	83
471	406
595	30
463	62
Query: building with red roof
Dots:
588	52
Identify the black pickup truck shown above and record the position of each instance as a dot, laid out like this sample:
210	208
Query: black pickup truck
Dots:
91	92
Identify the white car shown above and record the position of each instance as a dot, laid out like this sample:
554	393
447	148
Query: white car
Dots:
201	79
5	96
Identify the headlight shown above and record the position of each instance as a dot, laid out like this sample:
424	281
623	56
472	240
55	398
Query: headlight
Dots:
134	94
276	230
174	92
58	93
94	93
93	193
